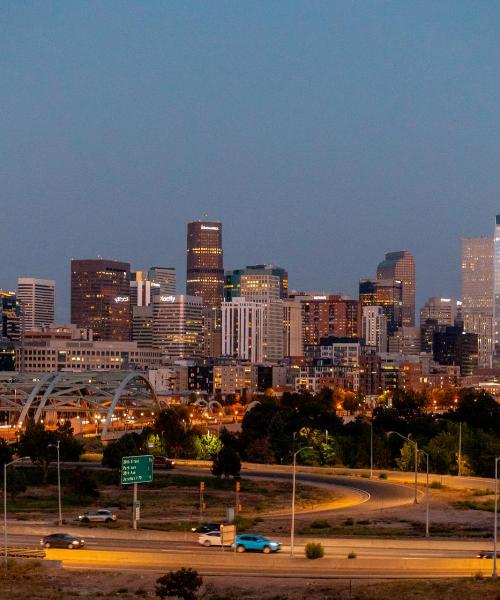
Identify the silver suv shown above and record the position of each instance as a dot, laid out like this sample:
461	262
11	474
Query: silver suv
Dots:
97	516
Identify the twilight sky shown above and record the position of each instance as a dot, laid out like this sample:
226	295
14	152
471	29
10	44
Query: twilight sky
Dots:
322	134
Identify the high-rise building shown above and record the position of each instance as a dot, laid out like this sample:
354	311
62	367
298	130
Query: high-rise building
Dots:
477	293
140	289
243	330
400	266
37	297
142	326
10	316
293	332
265	288
327	315
163	279
386	293
442	310
212	332
405	340
100	298
178	326
374	327
232	287
452	346
205	270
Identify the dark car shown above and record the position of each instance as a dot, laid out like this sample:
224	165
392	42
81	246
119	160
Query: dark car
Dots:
162	462
206	528
62	540
486	554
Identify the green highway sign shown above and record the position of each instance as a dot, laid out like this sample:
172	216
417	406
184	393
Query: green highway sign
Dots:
137	469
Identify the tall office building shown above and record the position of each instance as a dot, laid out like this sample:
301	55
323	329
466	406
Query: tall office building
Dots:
37	297
142	326
205	271
232	286
10	316
326	315
374	327
100	298
243	330
442	310
400	266
140	289
478	293
178	326
386	293
293	329
163	279
265	288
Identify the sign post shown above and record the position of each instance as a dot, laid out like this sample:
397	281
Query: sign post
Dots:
202	501
136	469
228	535
238	505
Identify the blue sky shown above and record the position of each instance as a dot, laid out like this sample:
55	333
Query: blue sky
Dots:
322	134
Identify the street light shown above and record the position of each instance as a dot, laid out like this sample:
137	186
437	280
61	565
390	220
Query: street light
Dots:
371	447
292	533
5	504
416	460
56	445
426	494
495	526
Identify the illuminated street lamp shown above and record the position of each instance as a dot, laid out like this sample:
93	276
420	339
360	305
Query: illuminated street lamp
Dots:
5	503
415	445
495	526
292	533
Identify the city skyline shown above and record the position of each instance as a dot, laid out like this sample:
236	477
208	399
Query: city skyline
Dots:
270	119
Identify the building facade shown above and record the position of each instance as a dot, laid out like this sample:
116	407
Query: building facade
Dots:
374	327
178	326
478	306
400	266
243	330
205	267
37	297
100	298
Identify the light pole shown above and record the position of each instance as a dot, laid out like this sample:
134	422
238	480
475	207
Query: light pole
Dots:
459	449
56	445
495	526
371	447
426	494
415	445
292	532
5	504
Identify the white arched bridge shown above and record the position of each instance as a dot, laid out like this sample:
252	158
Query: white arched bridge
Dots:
97	403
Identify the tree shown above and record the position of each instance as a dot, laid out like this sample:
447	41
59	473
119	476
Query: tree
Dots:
183	583
442	450
227	463
406	462
478	410
260	451
480	448
5	452
83	483
207	446
130	444
70	448
171	426
36	442
16	482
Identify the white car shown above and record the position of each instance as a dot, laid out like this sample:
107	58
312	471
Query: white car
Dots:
98	516
212	538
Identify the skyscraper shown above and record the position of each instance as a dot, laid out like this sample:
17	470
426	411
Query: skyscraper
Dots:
374	327
232	286
400	266
478	297
177	326
163	279
243	330
205	271
100	298
37	298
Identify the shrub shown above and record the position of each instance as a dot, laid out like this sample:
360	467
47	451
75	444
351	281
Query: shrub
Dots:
319	524
349	522
436	485
382	476
183	583
352	555
314	550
